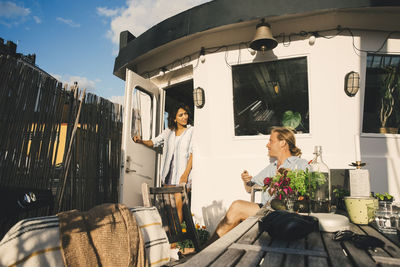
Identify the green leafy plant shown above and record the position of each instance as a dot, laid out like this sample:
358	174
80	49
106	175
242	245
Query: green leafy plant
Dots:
201	232
291	119
340	192
390	84
293	182
383	197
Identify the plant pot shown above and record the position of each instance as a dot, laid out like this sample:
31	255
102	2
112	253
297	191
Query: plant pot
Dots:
390	130
186	251
340	204
301	206
385	205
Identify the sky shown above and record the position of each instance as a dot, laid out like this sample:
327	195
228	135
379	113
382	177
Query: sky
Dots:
79	40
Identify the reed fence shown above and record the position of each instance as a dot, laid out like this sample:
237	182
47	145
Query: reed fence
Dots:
37	117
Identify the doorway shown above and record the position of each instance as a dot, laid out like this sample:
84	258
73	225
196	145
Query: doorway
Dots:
179	93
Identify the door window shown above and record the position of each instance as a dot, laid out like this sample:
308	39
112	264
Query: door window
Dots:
142	114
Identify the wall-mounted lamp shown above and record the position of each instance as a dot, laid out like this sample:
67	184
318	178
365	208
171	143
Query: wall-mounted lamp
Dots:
202	55
198	97
263	40
352	83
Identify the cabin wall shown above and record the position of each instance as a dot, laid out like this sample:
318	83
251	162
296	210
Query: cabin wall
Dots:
335	118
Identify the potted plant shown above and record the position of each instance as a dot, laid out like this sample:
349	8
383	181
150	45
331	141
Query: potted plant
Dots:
385	201
187	246
291	119
339	193
383	197
293	186
390	87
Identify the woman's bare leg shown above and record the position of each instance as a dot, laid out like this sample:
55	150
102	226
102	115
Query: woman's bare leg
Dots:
178	202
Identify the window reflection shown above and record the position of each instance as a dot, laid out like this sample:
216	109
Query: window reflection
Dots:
141	114
270	94
382	94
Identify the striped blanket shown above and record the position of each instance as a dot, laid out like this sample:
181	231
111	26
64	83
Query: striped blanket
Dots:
36	241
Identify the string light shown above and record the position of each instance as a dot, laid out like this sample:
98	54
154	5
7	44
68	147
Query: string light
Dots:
162	71
286	40
202	55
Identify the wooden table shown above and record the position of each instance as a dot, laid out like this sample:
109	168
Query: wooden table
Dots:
245	246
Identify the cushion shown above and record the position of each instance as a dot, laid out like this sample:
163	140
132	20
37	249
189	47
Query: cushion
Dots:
32	242
36	241
156	240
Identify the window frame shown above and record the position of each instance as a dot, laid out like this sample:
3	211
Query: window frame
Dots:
364	61
151	116
263	60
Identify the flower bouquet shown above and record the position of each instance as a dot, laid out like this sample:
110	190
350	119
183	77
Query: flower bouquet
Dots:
293	185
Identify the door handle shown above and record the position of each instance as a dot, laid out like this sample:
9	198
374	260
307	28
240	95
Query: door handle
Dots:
127	170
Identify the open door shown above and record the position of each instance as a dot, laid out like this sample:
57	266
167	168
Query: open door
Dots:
140	118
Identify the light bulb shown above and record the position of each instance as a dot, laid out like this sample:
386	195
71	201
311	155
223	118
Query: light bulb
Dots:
311	40
162	72
202	58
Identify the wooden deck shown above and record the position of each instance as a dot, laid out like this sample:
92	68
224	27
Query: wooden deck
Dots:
245	246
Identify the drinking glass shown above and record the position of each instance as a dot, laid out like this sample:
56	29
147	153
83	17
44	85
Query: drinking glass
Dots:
386	220
290	202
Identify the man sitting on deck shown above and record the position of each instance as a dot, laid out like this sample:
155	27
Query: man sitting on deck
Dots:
282	147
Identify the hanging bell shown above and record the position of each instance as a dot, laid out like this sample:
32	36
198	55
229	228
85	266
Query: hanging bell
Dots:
263	40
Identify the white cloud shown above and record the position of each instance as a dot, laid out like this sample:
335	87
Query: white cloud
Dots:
103	11
117	99
57	76
11	10
83	82
68	22
11	14
37	19
141	15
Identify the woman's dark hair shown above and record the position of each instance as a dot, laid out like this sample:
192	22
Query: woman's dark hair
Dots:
172	115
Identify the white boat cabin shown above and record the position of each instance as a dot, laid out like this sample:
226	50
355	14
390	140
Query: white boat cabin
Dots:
303	81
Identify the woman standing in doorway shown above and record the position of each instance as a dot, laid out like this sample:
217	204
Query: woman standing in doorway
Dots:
177	141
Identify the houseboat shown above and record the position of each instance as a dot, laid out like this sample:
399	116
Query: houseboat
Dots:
328	68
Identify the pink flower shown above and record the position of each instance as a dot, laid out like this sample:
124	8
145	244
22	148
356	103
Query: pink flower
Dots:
267	180
285	190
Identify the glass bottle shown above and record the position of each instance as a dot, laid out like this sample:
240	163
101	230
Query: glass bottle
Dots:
320	180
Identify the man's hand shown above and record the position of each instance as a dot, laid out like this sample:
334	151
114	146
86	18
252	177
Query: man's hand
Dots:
246	177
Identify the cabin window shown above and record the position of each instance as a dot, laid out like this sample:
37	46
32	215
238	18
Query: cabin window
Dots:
382	94
268	94
142	114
